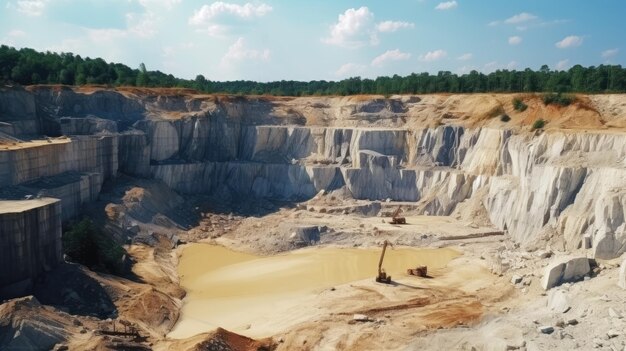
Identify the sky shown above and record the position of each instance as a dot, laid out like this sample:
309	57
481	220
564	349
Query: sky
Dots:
270	40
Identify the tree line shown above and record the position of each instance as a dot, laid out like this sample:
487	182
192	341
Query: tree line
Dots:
27	66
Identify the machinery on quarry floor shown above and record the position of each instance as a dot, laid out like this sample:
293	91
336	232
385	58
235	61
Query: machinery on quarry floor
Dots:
395	219
420	271
382	275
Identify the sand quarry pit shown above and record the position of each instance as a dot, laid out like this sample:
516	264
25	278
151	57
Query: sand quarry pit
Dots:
265	296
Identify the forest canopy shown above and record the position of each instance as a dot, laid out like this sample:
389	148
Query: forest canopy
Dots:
27	66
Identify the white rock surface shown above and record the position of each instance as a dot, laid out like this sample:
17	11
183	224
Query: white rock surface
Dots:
621	280
564	269
571	184
558	301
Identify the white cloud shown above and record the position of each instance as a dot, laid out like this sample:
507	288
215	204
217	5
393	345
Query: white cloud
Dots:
515	40
170	51
351	27
520	18
490	66
137	25
143	26
215	30
239	52
350	69
605	54
569	42
512	65
493	23
206	13
168	4
562	65
13	37
465	57
16	33
31	7
448	5
392	26
433	55
390	55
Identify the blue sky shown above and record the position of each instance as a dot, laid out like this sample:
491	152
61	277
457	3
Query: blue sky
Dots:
312	40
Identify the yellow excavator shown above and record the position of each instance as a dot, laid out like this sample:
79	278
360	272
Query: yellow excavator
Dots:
396	219
382	275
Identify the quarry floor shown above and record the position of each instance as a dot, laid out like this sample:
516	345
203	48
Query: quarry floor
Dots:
241	268
470	301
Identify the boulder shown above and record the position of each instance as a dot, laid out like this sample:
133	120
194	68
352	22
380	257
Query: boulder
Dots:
546	329
307	234
614	314
558	302
563	270
360	318
612	333
515	279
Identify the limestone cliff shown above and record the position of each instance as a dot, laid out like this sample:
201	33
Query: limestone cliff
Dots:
563	185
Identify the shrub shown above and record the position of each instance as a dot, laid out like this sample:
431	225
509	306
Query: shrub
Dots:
495	112
85	244
519	105
558	99
505	118
539	124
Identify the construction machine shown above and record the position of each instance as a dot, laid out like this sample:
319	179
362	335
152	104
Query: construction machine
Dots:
382	275
395	219
420	271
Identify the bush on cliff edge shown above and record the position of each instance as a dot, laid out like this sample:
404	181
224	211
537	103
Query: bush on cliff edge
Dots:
539	124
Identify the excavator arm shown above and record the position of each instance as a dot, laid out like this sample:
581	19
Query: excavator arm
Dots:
396	213
382	275
382	257
395	219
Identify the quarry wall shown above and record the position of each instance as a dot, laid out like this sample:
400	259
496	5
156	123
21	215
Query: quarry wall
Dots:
30	242
569	184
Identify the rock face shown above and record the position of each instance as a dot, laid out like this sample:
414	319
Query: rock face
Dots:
566	184
134	154
87	126
81	154
31	242
74	189
307	234
565	269
18	111
25	324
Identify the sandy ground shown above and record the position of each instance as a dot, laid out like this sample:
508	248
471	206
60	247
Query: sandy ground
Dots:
262	283
243	293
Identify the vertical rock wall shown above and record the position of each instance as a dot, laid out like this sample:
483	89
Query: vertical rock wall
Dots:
569	183
30	242
82	154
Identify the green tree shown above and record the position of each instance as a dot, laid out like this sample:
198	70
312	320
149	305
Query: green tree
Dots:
142	78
